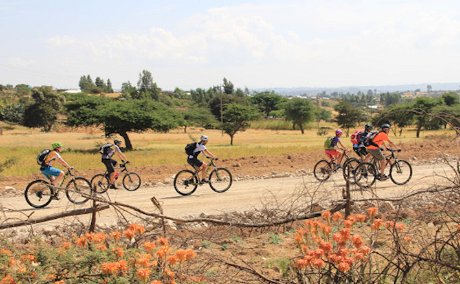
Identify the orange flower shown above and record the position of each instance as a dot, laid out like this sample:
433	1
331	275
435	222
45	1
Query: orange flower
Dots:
344	266
325	246
373	211
5	252
377	224
116	235
66	245
364	250
172	260
169	273
359	256
318	263
360	218
190	254
181	254
143	274
399	226
122	266
8	279
149	246
326	215
357	241
118	252
408	238
348	223
337	216
156	282
129	234
163	241
81	241
345	233
143	260
136	228
59	282
109	268
162	252
28	257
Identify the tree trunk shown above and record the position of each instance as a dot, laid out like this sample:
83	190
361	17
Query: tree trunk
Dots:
301	128
128	144
185	128
400	131
231	139
419	127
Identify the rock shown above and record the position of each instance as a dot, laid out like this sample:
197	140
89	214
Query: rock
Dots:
289	157
10	188
236	165
386	207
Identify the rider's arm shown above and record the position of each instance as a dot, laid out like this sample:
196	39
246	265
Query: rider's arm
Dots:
393	145
64	163
341	146
209	154
120	154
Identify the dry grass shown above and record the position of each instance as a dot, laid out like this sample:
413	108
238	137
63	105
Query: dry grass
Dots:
156	149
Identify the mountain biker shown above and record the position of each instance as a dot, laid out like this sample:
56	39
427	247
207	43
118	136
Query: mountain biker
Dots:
331	148
108	151
195	162
375	148
55	175
359	147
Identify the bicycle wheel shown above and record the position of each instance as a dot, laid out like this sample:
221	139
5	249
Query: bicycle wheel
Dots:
76	190
100	183
401	172
185	182
131	181
365	175
322	170
38	193
349	168
220	180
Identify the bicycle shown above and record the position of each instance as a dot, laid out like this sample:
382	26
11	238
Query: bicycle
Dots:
131	181
186	181
350	165
324	168
39	193
400	171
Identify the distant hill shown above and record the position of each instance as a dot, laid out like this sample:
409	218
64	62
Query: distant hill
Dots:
355	89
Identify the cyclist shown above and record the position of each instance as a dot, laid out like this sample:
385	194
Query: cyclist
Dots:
332	145
55	175
108	150
359	147
195	162
375	148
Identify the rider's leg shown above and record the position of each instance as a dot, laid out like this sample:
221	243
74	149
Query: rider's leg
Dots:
203	170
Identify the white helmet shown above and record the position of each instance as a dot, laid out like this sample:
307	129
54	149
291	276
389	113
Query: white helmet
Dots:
204	138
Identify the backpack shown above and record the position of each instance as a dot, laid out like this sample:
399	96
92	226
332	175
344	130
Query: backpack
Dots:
42	157
189	148
356	136
328	143
369	140
104	149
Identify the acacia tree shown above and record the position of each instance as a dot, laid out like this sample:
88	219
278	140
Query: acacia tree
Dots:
43	112
348	116
266	102
236	118
299	111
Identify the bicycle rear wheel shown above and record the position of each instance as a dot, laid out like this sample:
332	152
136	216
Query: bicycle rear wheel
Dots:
349	169
100	183
185	182
38	193
76	190
365	175
401	172
131	181
220	180
322	170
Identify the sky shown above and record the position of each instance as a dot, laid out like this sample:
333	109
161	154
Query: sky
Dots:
254	44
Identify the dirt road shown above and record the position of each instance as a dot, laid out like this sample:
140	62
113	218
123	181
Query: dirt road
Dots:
243	195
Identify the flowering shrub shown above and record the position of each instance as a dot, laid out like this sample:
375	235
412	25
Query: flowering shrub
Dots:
97	258
332	250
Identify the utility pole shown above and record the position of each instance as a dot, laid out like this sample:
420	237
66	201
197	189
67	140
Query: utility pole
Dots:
221	110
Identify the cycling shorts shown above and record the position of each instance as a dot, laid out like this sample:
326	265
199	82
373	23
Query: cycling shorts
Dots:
333	153
109	164
377	153
194	162
50	171
360	150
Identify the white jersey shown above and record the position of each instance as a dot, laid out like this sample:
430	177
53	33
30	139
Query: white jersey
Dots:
199	148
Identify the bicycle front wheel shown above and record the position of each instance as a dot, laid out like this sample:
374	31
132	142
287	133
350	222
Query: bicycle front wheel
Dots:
78	190
220	180
349	169
365	175
131	181
401	172
185	182
322	170
38	193
100	183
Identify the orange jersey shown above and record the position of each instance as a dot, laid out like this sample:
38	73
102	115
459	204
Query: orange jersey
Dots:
379	139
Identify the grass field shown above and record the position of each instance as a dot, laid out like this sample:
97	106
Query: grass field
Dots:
156	149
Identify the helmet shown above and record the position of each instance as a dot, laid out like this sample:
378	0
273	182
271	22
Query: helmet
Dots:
56	145
368	127
204	138
386	125
116	142
338	132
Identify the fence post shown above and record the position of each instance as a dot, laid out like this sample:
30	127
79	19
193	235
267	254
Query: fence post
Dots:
347	197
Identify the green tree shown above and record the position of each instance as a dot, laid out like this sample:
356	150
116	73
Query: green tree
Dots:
422	108
322	114
13	113
399	116
129	91
450	98
199	116
299	111
228	87
237	118
23	90
87	85
109	88
43	112
147	87
266	101
99	82
348	116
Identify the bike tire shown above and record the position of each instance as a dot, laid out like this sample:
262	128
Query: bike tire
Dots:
349	168
398	168
185	182
365	175
322	170
40	190
75	187
131	181
220	180
100	183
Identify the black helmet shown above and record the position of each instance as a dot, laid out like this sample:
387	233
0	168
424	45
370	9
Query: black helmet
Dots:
368	127
116	142
386	125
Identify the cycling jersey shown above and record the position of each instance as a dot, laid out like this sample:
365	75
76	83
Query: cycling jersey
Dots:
110	152
199	148
379	139
51	157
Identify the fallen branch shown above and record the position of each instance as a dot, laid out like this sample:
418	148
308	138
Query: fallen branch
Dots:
53	217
